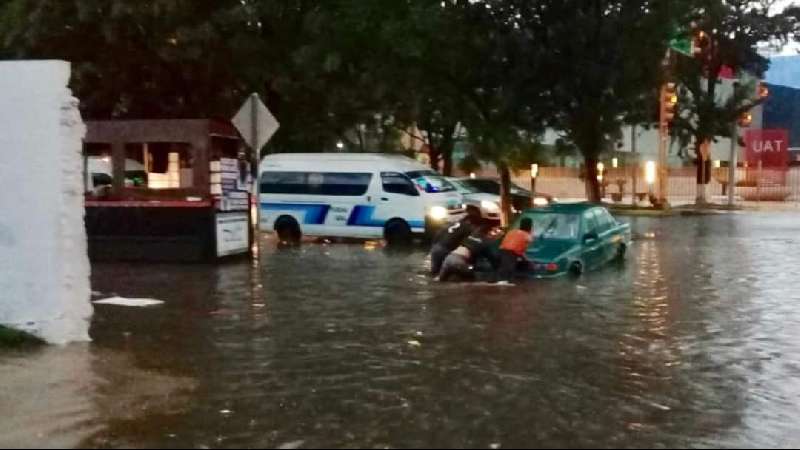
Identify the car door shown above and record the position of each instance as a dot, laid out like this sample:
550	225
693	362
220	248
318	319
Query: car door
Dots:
606	230
616	236
399	198
591	242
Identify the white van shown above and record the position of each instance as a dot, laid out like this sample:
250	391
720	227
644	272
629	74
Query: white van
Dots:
354	195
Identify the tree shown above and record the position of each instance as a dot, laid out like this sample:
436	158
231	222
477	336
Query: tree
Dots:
607	54
164	58
727	34
494	63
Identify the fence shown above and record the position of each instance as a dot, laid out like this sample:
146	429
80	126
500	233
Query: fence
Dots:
753	184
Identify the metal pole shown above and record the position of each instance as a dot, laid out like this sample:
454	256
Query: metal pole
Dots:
256	161
635	159
733	163
662	165
758	182
663	137
254	130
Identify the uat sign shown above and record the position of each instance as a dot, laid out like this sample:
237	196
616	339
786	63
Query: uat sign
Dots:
771	147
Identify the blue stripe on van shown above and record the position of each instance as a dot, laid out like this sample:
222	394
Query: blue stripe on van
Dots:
314	214
363	216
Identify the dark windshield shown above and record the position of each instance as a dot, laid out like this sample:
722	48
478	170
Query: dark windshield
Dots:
555	226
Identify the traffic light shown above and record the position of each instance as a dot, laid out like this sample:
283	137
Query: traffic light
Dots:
700	43
745	120
669	104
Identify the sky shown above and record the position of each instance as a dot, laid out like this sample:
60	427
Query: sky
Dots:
793	48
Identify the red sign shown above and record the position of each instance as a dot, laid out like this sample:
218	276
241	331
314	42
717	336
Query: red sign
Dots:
771	147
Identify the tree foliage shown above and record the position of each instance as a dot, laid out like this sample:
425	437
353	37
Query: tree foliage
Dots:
364	73
732	32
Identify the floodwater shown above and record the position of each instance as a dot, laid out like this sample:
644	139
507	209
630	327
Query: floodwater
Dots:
695	341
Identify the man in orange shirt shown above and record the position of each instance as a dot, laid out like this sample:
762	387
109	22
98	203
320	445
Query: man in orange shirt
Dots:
513	249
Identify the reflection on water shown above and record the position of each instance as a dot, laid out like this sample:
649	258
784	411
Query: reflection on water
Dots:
59	397
692	342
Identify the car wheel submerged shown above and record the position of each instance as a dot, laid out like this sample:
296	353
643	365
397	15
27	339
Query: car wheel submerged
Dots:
576	269
288	230
397	233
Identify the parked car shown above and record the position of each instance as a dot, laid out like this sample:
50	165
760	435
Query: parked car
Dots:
488	204
573	238
520	197
363	196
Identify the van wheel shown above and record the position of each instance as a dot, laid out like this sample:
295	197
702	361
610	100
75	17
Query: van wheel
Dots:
576	269
288	230
397	233
622	250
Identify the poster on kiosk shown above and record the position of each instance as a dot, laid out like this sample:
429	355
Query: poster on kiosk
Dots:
231	180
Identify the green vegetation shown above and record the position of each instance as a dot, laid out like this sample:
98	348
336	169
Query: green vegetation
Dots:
489	76
10	338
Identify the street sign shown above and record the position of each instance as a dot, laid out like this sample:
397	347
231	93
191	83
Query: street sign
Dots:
256	123
682	45
769	147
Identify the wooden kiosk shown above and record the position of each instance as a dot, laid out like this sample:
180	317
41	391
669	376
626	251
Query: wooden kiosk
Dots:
167	190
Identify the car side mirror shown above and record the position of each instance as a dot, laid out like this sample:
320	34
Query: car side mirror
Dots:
590	237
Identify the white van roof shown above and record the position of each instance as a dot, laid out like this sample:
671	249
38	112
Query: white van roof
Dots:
341	161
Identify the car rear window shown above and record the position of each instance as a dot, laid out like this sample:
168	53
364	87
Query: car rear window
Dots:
555	226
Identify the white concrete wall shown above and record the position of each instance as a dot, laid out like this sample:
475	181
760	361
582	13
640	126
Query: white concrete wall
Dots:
44	267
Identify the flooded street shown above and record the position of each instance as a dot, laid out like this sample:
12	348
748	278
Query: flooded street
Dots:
694	341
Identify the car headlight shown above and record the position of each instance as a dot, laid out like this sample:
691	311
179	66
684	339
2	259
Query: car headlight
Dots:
540	201
490	207
438	213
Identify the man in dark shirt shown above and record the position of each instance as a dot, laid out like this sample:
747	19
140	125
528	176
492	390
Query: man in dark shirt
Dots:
449	239
460	263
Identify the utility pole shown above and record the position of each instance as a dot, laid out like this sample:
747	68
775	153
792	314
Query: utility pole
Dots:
733	163
669	103
636	167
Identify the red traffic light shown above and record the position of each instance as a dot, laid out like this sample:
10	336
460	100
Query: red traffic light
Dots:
669	103
700	43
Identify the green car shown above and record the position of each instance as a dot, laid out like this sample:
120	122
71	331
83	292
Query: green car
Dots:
573	238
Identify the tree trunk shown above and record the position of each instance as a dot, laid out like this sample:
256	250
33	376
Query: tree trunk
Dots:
703	172
592	183
505	193
435	156
446	152
448	163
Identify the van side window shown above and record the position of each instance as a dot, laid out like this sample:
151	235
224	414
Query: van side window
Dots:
316	183
345	184
397	183
284	183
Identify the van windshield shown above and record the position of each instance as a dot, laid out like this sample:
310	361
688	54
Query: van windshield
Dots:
430	181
